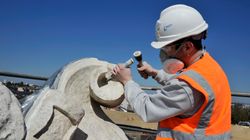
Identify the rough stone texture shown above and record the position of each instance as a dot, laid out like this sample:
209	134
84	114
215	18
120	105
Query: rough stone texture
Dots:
65	110
11	117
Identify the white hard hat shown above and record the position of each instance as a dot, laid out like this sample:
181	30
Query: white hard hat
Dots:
177	22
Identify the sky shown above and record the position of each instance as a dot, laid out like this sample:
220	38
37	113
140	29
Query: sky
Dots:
38	37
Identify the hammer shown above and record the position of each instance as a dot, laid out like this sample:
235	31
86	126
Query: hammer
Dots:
138	57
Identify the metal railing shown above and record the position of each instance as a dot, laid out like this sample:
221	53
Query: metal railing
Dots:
27	76
138	129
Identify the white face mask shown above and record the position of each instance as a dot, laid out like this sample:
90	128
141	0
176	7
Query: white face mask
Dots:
170	65
173	65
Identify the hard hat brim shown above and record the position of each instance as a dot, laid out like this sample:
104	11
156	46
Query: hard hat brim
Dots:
198	30
160	44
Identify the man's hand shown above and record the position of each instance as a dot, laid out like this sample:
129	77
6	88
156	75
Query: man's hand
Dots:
122	74
146	70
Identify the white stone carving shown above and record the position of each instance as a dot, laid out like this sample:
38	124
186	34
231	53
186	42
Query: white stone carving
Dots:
65	110
11	117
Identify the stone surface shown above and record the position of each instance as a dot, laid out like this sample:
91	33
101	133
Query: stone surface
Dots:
11	117
65	110
108	93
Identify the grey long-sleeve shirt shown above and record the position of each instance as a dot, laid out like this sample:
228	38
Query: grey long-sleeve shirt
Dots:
175	98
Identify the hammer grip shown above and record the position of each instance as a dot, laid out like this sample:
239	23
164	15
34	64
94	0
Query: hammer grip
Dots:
138	57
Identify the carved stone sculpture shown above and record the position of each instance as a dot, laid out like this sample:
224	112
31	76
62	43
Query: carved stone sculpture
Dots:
68	107
11	117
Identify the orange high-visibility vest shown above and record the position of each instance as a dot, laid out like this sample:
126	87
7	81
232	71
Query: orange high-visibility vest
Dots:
213	120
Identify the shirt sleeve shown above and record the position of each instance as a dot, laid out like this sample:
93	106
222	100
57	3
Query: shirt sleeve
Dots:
162	77
175	98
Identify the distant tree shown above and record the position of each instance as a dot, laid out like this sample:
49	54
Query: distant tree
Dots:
240	113
235	113
8	84
21	83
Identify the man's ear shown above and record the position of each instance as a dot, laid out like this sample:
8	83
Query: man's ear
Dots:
189	47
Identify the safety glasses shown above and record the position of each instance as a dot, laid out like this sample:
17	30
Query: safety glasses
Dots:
170	47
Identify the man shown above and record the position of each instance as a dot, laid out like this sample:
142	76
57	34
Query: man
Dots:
195	102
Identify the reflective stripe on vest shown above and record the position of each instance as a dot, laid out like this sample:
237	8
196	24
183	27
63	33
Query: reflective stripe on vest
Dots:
167	134
199	133
206	114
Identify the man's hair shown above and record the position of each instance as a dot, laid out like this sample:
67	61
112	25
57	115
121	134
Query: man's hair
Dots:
196	41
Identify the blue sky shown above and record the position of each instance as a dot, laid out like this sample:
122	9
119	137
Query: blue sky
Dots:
38	37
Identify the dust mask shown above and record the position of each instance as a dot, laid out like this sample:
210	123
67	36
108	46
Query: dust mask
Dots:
171	65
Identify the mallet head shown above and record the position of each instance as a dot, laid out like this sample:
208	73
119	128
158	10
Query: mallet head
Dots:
138	56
